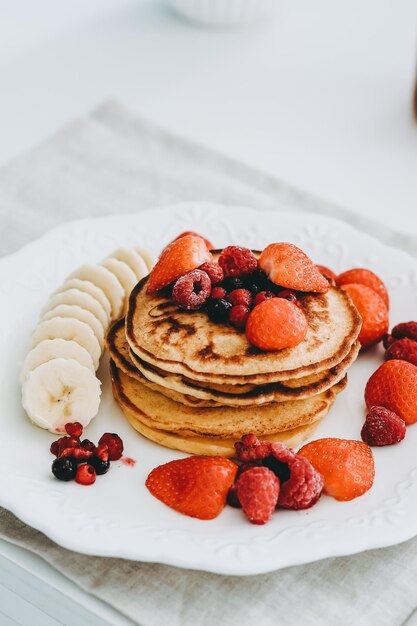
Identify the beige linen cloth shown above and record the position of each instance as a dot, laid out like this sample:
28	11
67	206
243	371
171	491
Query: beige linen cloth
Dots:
112	162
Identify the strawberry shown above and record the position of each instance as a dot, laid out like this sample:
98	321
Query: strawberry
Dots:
290	267
327	273
403	349
276	324
394	386
372	310
178	258
257	491
347	466
191	232
382	427
362	276
195	486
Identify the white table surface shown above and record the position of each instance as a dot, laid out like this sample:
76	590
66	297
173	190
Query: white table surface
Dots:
319	96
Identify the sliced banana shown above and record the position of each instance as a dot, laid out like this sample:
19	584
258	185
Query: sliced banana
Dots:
61	391
124	275
70	329
107	281
90	288
75	297
146	256
78	313
53	349
132	259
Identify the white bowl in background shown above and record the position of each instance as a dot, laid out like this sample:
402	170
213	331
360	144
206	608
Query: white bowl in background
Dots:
223	12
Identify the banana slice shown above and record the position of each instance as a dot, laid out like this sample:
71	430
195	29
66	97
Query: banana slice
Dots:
70	329
132	259
91	289
124	275
76	312
107	281
146	256
75	297
61	391
53	349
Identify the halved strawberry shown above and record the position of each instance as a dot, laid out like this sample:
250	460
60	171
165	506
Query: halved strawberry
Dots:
181	256
347	466
191	232
195	486
288	266
362	276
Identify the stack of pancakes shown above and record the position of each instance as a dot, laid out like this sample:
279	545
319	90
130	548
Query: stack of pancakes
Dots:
196	386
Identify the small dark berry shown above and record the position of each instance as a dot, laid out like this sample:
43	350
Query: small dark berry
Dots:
289	295
230	284
218	292
238	316
259	279
99	465
88	445
263	295
241	296
64	468
218	310
232	499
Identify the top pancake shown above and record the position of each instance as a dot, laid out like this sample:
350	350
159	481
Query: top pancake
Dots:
188	343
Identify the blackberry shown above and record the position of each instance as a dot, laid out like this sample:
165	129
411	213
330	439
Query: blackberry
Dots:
231	283
218	310
64	468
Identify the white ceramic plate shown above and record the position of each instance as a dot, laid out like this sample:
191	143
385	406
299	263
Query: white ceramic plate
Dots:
117	516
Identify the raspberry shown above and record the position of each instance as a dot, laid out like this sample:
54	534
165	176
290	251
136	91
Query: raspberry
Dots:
387	340
102	452
79	455
382	427
114	443
406	329
58	446
403	349
192	290
86	474
238	316
54	449
218	292
74	428
249	448
230	284
289	295
218	310
240	296
237	261
263	295
213	271
257	491
303	488
301	484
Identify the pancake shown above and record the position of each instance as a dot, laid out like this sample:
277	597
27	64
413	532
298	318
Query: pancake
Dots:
189	344
188	392
161	413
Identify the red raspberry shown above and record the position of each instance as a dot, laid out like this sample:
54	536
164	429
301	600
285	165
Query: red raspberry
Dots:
406	329
218	292
238	316
237	261
58	446
382	427
403	349
214	272
257	491
54	449
114	443
387	340
263	295
102	452
240	296
289	295
192	290
78	454
249	448
86	474
74	428
303	488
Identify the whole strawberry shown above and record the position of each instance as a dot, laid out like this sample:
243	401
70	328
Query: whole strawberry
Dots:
257	492
372	310
382	427
394	386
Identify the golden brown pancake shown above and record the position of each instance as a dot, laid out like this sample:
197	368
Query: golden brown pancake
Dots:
189	344
161	413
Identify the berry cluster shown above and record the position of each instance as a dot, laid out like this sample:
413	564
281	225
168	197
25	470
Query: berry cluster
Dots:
81	459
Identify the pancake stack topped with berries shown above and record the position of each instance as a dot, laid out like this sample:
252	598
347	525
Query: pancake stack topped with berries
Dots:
219	343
